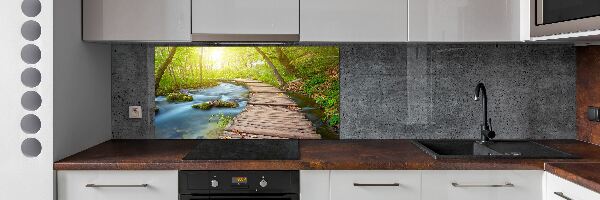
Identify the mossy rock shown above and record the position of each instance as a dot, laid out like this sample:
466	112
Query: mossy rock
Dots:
225	104
202	106
216	104
179	97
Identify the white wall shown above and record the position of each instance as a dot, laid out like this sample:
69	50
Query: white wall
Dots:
24	177
82	90
79	75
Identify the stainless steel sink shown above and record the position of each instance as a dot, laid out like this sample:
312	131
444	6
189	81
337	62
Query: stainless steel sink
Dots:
495	149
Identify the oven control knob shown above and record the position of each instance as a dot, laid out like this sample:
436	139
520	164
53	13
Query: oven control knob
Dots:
263	183
214	183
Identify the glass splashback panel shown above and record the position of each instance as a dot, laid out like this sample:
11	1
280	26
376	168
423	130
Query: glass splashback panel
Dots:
257	92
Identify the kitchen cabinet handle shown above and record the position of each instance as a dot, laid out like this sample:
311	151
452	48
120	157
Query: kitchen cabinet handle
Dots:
492	185
376	184
560	194
115	186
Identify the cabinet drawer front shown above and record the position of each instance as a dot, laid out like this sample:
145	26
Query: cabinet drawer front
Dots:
375	185
117	185
560	189
482	184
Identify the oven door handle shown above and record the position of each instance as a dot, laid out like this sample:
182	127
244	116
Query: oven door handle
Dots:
241	196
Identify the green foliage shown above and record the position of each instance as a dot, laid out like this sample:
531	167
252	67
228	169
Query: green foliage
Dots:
314	71
222	120
215	104
179	97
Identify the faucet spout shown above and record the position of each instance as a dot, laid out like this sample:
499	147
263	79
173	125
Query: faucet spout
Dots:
481	88
480	94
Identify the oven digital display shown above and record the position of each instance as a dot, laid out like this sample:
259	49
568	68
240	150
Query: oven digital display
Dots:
239	180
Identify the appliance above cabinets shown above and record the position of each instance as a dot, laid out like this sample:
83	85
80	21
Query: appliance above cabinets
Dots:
558	19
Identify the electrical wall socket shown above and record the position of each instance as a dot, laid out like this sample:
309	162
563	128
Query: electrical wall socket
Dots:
135	112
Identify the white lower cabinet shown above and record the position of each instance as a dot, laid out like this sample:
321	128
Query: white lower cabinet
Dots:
560	189
422	185
482	185
341	185
375	185
314	184
117	185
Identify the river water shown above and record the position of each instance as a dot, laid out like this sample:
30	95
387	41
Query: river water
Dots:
181	121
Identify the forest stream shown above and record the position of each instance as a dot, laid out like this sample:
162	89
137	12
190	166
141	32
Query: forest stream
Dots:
178	120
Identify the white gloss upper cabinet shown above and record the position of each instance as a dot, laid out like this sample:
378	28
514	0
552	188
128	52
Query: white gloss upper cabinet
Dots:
243	20
136	20
353	20
468	20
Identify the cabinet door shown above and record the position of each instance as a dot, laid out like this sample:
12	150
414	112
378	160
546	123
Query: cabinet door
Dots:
243	20
117	185
375	185
560	189
314	185
468	20
354	20
136	20
482	184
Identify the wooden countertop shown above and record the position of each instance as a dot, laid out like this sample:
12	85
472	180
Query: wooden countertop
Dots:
331	155
314	154
584	174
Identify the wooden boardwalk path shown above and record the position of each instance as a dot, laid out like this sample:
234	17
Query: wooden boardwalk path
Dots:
270	114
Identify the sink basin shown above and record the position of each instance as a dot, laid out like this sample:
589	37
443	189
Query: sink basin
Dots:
496	149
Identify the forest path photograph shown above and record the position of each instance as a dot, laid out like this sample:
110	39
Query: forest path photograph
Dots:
270	114
246	92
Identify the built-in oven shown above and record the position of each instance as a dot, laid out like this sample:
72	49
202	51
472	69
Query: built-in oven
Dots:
552	17
238	185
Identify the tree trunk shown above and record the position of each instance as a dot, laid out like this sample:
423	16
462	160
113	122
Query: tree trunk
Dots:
163	67
285	61
201	59
275	72
174	79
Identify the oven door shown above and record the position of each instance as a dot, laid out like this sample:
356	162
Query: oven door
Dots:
552	17
240	197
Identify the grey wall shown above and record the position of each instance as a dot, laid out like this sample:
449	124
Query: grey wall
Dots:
132	85
426	91
411	91
81	85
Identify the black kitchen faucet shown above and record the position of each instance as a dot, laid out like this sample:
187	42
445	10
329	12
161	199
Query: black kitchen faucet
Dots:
486	129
